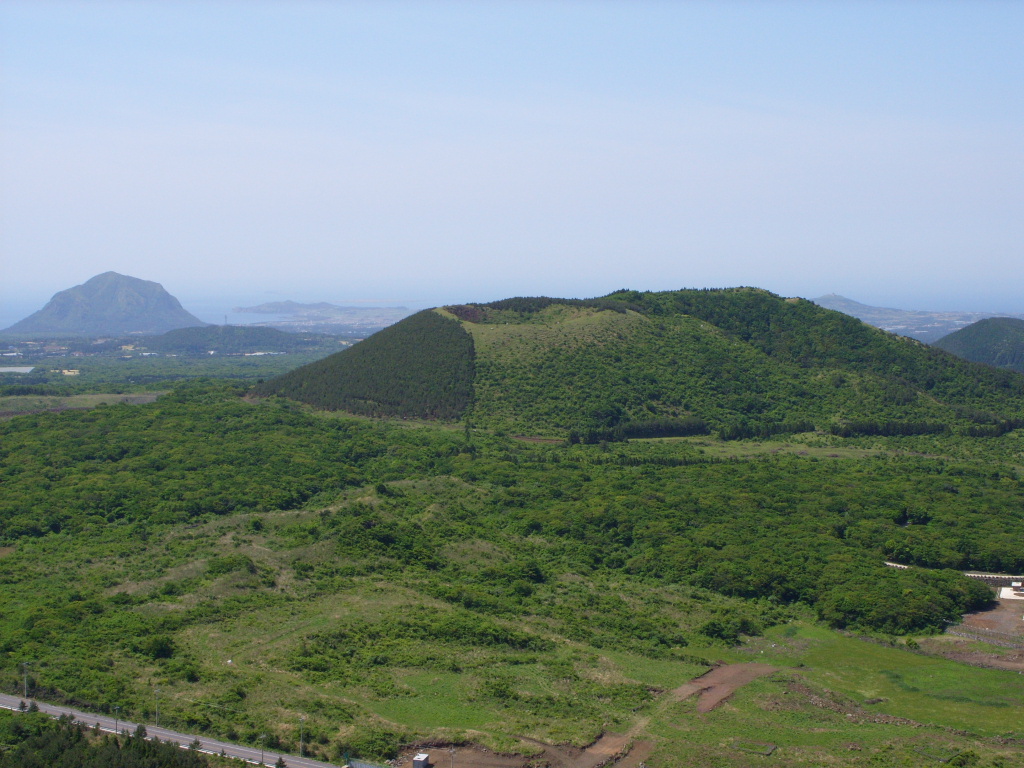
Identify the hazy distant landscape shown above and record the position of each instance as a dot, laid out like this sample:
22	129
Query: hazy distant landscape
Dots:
927	326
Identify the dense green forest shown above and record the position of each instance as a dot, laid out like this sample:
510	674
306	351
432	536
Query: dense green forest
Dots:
420	367
33	740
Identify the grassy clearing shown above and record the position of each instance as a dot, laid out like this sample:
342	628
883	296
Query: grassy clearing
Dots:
811	726
911	685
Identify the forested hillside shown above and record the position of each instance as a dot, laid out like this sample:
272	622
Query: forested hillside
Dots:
742	362
30	740
421	367
996	341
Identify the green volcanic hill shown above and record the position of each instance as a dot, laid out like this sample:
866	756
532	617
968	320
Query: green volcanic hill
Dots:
996	341
743	361
106	305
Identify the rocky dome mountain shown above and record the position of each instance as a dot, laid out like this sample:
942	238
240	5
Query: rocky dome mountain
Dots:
996	341
106	305
742	361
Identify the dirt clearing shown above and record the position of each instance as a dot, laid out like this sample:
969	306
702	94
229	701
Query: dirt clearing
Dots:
1007	617
601	752
1001	628
720	683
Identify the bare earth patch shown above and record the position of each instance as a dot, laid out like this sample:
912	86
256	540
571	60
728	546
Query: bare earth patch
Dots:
602	752
992	638
1006	617
720	683
467	756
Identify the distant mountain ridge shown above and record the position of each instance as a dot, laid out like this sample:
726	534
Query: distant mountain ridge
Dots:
922	325
995	341
107	304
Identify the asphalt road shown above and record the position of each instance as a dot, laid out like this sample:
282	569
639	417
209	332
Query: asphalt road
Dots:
212	746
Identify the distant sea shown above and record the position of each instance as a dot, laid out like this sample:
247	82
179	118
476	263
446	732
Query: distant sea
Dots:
216	309
13	311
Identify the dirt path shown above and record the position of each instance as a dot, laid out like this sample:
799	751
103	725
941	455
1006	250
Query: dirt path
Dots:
714	687
602	751
720	683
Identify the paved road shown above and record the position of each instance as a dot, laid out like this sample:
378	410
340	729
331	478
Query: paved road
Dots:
212	746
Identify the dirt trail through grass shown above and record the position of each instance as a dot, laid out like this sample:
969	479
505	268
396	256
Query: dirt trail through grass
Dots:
714	687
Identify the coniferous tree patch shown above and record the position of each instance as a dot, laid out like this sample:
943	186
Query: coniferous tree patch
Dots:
421	367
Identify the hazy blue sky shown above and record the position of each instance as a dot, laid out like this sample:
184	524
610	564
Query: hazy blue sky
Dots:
430	152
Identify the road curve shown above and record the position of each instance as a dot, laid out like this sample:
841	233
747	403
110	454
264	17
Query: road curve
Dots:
211	746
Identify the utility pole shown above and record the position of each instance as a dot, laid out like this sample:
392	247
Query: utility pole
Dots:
157	691
302	724
117	720
24	670
262	737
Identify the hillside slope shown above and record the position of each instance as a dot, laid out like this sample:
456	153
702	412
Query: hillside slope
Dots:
106	305
741	360
996	341
421	367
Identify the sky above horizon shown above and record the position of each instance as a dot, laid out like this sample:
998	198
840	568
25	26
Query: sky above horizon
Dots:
422	153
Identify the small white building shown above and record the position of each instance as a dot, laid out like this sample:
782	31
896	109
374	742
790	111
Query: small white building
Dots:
422	760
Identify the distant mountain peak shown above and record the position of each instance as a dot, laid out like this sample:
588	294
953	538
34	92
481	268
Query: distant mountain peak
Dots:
109	303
